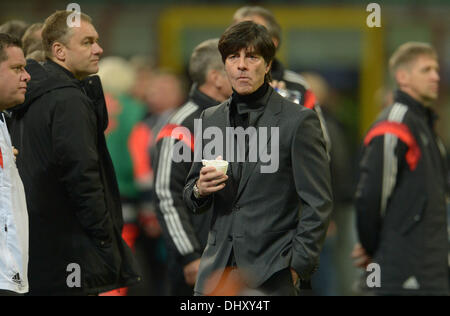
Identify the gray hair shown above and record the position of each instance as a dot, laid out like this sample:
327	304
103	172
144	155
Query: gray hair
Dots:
205	57
117	75
30	41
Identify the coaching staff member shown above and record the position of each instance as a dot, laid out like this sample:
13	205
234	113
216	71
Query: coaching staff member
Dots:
269	227
70	185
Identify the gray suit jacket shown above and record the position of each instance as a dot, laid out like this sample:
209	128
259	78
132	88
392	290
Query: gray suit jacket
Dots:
271	221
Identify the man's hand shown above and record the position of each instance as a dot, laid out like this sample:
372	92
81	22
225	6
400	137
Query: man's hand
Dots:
15	152
294	276
362	259
190	272
211	180
149	223
281	85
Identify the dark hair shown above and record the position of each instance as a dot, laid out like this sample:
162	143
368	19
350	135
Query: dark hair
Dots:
5	42
15	28
247	35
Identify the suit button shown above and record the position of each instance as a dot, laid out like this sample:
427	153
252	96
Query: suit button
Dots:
230	238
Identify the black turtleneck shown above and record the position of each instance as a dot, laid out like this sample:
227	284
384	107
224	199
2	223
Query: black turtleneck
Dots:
250	104
417	107
245	110
252	98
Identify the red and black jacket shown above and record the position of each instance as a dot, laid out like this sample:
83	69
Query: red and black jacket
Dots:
401	200
185	233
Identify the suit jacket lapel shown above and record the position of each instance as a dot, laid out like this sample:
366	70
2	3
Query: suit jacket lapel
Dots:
269	119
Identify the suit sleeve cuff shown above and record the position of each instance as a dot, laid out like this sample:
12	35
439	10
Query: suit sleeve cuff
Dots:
202	204
305	268
185	260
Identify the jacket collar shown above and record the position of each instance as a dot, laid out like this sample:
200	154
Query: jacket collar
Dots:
416	106
201	99
45	77
91	86
60	70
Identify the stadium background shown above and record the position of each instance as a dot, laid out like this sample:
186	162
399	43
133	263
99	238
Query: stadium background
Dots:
328	37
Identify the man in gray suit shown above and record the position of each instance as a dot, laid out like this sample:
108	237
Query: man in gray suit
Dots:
269	222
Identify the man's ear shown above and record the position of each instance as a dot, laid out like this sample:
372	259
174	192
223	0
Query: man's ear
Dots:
275	42
268	67
59	51
212	76
402	77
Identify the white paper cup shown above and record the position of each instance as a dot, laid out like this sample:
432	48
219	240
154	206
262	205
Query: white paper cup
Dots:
220	165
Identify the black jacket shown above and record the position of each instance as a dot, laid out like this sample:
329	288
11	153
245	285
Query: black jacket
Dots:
72	194
270	219
298	86
401	200
185	232
294	82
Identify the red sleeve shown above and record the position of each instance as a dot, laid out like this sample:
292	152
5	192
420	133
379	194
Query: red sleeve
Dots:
139	143
310	99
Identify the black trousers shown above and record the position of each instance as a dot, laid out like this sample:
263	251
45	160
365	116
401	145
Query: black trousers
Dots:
177	283
279	284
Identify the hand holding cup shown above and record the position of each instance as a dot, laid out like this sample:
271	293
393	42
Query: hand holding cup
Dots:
212	176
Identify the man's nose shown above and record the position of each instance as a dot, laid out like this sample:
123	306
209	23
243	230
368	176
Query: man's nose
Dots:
242	63
97	49
435	75
26	76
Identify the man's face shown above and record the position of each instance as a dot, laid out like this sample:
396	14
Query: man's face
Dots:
246	70
82	52
421	79
13	78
